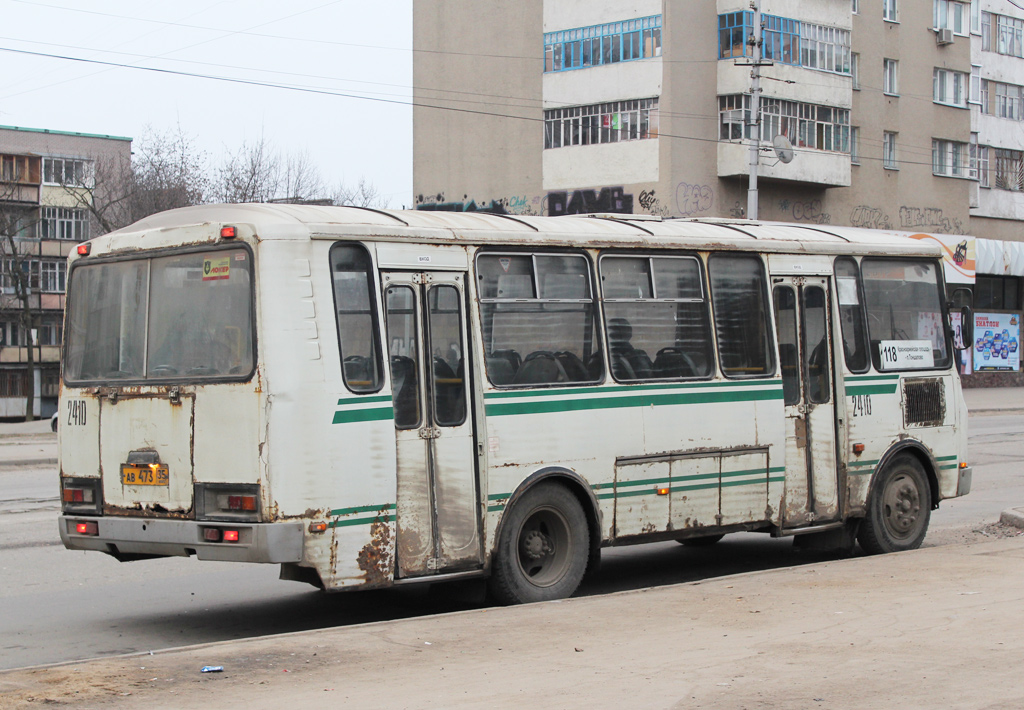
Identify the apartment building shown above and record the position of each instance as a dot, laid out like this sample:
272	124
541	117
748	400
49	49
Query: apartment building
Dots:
47	182
902	115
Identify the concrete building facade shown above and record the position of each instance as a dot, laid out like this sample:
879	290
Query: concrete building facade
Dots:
901	115
47	182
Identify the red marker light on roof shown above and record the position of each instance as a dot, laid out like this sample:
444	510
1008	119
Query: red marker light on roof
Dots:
84	248
227	233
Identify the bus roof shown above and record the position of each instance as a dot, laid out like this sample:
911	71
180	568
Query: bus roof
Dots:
300	222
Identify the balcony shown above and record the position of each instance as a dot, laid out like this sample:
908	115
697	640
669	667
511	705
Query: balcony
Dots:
819	167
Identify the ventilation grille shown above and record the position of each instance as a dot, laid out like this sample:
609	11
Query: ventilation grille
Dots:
924	402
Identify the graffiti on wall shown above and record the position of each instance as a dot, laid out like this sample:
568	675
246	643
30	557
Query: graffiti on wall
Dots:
691	199
805	211
517	204
929	219
869	218
609	199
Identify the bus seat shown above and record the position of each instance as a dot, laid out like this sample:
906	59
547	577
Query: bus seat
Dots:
540	368
500	371
673	362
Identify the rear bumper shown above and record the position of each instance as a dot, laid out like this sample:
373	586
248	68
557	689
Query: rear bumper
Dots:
257	542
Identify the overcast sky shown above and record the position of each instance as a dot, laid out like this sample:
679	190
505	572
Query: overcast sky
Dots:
340	47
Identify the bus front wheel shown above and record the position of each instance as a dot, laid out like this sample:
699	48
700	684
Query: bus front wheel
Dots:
543	549
899	508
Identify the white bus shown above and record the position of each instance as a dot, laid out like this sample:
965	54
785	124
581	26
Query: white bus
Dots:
372	397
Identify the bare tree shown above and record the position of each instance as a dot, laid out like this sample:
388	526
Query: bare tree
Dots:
250	174
18	227
364	194
168	171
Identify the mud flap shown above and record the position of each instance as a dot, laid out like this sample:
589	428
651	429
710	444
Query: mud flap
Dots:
841	539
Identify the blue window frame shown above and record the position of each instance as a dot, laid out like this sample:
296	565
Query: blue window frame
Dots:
585	47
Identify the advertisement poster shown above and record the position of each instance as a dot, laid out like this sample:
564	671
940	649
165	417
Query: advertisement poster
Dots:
996	342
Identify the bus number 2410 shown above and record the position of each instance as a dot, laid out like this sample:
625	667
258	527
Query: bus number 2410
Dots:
861	405
76	412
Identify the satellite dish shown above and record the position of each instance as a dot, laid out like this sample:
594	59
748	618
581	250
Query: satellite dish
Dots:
783	148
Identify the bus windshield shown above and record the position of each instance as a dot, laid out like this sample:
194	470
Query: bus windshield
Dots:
183	316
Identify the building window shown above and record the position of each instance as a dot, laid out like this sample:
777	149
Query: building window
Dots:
975	97
984	174
595	45
48	332
889	150
855	7
53	276
601	123
890	77
950	158
12	383
70	172
786	41
949	14
805	125
1007	100
950	87
976	17
855	70
1004	35
780	39
1009	169
65	223
825	48
855	145
890	11
997	293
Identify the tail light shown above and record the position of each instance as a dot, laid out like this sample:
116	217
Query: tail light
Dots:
87	527
81	495
226	534
228	502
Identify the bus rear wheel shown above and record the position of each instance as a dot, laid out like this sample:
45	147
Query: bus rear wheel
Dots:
899	508
543	549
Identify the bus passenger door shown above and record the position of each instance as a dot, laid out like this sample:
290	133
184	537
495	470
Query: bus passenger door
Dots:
802	315
437	512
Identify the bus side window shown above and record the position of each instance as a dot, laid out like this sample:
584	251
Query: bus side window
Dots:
356	313
851	314
656	317
738	293
537	313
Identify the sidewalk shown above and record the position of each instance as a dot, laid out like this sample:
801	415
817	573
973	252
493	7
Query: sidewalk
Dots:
934	628
994	399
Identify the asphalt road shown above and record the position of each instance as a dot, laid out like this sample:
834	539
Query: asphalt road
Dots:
58	605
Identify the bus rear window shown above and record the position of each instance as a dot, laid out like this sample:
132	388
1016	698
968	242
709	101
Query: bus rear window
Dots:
904	308
184	316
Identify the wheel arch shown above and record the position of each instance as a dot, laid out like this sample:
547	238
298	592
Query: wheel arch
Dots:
919	451
576	485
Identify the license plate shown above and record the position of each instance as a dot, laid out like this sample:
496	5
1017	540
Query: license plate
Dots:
144	475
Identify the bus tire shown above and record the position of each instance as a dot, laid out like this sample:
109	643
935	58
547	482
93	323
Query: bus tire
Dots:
899	508
702	541
543	548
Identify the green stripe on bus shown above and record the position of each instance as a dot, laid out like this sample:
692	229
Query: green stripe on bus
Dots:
572	405
852	390
585	390
362	509
363	415
946	458
870	378
360	521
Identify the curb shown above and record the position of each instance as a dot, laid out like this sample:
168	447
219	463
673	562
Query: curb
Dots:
1014	517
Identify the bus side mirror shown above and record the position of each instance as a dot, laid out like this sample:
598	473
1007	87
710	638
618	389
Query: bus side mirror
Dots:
963	299
966	328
